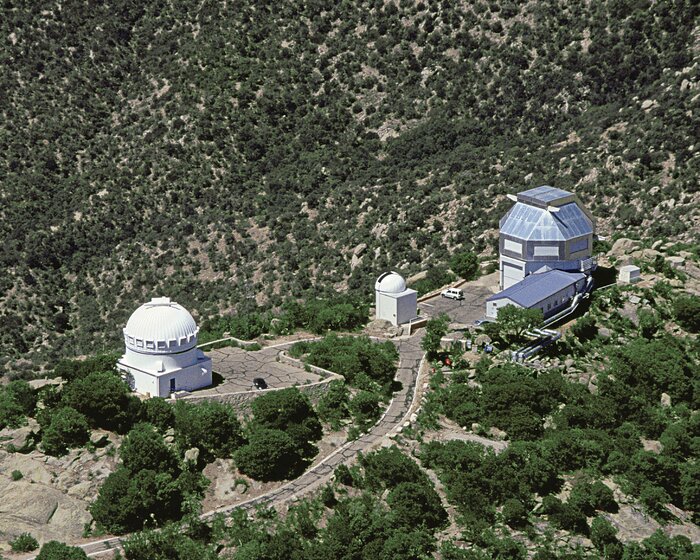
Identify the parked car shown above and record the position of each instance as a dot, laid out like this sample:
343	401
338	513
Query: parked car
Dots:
452	293
259	383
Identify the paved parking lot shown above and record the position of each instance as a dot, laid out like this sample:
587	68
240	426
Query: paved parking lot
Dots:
468	310
239	367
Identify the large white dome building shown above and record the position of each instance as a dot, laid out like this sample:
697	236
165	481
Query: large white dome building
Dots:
394	301
161	354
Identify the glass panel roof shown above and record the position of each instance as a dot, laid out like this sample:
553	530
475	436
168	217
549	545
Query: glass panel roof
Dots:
542	196
537	224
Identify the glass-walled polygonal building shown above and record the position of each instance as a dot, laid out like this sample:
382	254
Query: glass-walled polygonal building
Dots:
547	227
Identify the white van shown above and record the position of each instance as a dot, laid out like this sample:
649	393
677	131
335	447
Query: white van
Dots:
452	293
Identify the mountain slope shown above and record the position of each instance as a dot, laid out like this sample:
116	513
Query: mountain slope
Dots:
220	153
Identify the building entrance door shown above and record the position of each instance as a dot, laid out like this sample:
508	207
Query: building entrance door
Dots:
172	385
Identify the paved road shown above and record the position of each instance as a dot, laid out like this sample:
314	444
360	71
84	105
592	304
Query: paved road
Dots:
410	356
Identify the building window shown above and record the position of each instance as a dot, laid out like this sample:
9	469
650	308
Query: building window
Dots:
578	245
139	343
161	345
549	306
150	345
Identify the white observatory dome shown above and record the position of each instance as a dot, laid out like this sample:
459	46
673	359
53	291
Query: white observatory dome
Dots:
390	283
160	326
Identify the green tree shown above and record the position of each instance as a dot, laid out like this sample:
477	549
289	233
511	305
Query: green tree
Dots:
11	413
602	533
144	448
333	404
686	310
127	500
585	328
21	392
104	399
269	455
649	323
435	329
514	513
513	321
365	409
388	467
54	550
70	370
159	412
465	265
68	428
415	504
212	427
169	543
289	410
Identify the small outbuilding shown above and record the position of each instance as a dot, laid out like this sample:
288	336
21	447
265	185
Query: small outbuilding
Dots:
629	274
161	354
550	291
394	301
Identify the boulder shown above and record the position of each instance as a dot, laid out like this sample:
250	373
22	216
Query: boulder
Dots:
665	400
495	433
676	261
192	455
99	438
657	244
623	246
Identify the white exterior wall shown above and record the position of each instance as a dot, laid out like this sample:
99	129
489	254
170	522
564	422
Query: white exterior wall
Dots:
144	377
509	274
406	307
398	309
630	274
492	307
187	379
386	307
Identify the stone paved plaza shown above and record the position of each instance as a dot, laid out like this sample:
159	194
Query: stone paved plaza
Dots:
239	367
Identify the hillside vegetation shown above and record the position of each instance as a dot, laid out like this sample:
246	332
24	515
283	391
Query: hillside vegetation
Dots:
235	153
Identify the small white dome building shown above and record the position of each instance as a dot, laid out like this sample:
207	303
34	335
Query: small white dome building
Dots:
161	354
394	301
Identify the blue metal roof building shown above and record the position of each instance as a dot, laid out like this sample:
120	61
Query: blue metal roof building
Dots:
550	291
546	226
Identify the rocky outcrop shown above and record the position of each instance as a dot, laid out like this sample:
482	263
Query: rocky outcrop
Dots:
39	509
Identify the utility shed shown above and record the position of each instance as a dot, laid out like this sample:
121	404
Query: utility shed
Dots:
546	226
550	290
629	274
394	301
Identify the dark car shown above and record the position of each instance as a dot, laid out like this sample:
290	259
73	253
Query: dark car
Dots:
259	383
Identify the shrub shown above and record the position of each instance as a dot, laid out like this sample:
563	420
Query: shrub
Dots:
68	428
54	550
17	475
514	513
212	427
269	455
24	543
686	310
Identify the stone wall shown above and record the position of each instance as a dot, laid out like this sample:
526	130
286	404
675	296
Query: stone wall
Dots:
241	400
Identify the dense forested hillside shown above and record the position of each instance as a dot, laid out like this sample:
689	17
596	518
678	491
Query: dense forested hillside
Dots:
227	152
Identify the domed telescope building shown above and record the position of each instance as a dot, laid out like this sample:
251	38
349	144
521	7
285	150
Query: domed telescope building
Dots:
161	354
546	227
394	301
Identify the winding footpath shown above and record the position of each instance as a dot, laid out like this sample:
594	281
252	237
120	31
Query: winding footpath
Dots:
398	411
